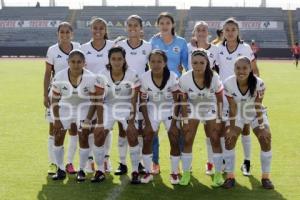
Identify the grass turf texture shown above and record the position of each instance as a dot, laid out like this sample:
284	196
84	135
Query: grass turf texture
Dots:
24	133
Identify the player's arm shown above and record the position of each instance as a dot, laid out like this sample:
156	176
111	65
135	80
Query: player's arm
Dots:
219	97
47	79
255	67
232	111
133	105
176	99
259	107
144	109
99	105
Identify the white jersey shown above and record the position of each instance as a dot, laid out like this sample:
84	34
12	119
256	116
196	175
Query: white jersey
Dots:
245	103
70	95
137	58
117	92
96	60
212	54
159	98
58	58
196	95
227	59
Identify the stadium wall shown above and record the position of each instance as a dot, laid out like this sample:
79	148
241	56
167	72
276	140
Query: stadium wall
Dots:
274	53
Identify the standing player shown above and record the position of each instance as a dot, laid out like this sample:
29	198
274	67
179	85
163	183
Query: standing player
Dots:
71	90
119	86
254	48
202	96
96	53
200	35
159	96
176	50
57	60
218	40
296	53
231	48
245	93
137	53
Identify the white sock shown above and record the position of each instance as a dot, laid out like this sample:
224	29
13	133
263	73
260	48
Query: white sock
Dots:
107	144
218	161
209	150
147	159
229	157
265	159
222	140
83	157
135	157
50	149
59	156
174	164
91	141
186	159
72	148
140	138
123	146
99	157
246	141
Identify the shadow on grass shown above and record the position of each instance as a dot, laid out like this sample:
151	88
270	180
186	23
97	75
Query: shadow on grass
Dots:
159	189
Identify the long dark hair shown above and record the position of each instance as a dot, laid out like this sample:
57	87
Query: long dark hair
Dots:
166	72
137	18
252	80
169	16
117	49
100	20
76	52
208	73
67	24
231	20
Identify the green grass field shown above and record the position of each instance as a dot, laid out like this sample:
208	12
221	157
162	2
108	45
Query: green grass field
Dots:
24	133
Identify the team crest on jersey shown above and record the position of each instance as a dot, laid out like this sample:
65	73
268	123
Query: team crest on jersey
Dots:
211	90
99	55
169	89
239	54
228	58
211	55
144	52
107	85
233	94
127	85
149	89
88	53
85	89
176	49
133	53
58	56
190	90
65	88
222	53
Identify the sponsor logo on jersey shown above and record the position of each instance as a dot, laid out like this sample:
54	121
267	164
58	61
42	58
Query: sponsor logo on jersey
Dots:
99	55
228	58
133	53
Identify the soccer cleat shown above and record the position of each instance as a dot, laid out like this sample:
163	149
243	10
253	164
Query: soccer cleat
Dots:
185	179
90	166
59	175
155	169
147	178
135	178
80	176
141	169
218	180
246	168
209	169
107	165
98	177
267	184
229	183
52	169
70	169
122	169
174	179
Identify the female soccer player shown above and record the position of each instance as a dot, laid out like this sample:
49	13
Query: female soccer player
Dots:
96	53
245	93
159	87
200	40
231	48
71	90
137	52
176	50
57	60
202	96
119	85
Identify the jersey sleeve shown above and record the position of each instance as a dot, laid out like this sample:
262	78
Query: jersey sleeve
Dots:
49	56
143	88
185	56
175	84
217	84
227	89
181	85
100	81
56	86
260	88
249	53
136	81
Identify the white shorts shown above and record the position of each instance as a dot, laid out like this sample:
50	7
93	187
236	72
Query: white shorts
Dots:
203	116
155	120
110	116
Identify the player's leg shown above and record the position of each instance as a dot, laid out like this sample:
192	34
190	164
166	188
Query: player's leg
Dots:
246	142
123	148
139	125
187	154
73	140
52	167
84	150
209	164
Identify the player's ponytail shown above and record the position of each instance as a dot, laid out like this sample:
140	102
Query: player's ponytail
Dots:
169	16
208	73
117	49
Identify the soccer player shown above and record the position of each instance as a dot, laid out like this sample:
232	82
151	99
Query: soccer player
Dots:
71	90
202	96
219	37
57	60
159	89
176	50
296	53
254	48
137	52
231	48
200	40
245	93
117	88
96	54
